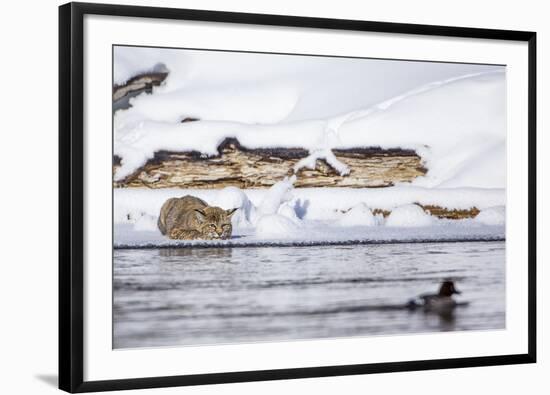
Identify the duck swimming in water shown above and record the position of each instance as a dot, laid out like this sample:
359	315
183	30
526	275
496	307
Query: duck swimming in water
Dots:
441	302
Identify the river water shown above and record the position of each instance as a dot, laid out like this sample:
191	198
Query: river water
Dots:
194	296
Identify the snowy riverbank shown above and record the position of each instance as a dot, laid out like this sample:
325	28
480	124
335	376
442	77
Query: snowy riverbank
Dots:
452	117
283	215
319	233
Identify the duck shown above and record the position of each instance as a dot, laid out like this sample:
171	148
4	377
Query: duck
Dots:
441	302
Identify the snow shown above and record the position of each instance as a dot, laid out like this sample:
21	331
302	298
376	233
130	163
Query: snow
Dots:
279	193
408	216
146	222
308	203
288	211
325	86
452	115
454	125
457	123
310	161
276	226
283	215
492	216
359	215
232	197
319	215
320	233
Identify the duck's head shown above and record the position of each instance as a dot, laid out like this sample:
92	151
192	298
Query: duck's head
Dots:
448	288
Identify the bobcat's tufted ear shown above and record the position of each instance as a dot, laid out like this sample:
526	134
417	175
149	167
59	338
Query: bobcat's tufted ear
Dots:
200	215
230	212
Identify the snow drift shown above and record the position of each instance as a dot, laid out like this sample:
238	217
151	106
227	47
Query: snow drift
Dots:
453	116
408	216
283	215
457	124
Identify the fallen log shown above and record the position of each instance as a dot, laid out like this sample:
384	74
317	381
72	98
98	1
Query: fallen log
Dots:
134	86
242	167
438	211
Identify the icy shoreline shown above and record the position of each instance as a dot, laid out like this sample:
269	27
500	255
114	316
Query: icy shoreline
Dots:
283	215
317	235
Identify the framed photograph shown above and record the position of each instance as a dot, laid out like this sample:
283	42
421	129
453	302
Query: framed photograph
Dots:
251	197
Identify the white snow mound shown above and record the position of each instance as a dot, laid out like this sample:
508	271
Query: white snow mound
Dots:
286	210
492	216
233	197
278	194
359	215
409	216
276	226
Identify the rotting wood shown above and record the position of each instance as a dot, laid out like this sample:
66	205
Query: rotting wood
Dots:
446	213
138	83
241	167
437	211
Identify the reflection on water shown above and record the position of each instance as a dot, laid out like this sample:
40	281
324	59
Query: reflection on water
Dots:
204	254
193	296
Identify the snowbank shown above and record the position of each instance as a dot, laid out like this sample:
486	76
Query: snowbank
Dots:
231	197
492	216
276	226
319	215
409	216
307	203
278	194
452	115
457	124
289	211
359	215
244	82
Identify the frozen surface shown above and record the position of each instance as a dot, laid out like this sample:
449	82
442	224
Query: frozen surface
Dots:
191	296
276	230
452	115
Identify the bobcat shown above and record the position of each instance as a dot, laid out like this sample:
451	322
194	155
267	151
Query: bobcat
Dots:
189	218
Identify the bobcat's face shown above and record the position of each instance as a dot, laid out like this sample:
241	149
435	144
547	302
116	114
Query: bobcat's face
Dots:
214	223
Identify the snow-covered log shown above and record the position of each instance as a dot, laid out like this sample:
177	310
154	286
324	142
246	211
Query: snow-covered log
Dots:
238	166
139	83
437	211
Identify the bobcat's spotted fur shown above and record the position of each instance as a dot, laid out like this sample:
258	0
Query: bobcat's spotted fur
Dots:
191	218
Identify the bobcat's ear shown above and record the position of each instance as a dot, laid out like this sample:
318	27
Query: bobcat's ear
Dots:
230	212
200	215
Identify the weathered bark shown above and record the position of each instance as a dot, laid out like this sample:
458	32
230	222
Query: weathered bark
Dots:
443	212
438	211
138	83
260	168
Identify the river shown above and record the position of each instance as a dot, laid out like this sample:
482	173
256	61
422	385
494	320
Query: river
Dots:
194	296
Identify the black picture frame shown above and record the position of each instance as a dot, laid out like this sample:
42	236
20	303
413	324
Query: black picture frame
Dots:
71	196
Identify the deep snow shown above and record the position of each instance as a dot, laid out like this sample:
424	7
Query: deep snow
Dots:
454	117
283	215
305	203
